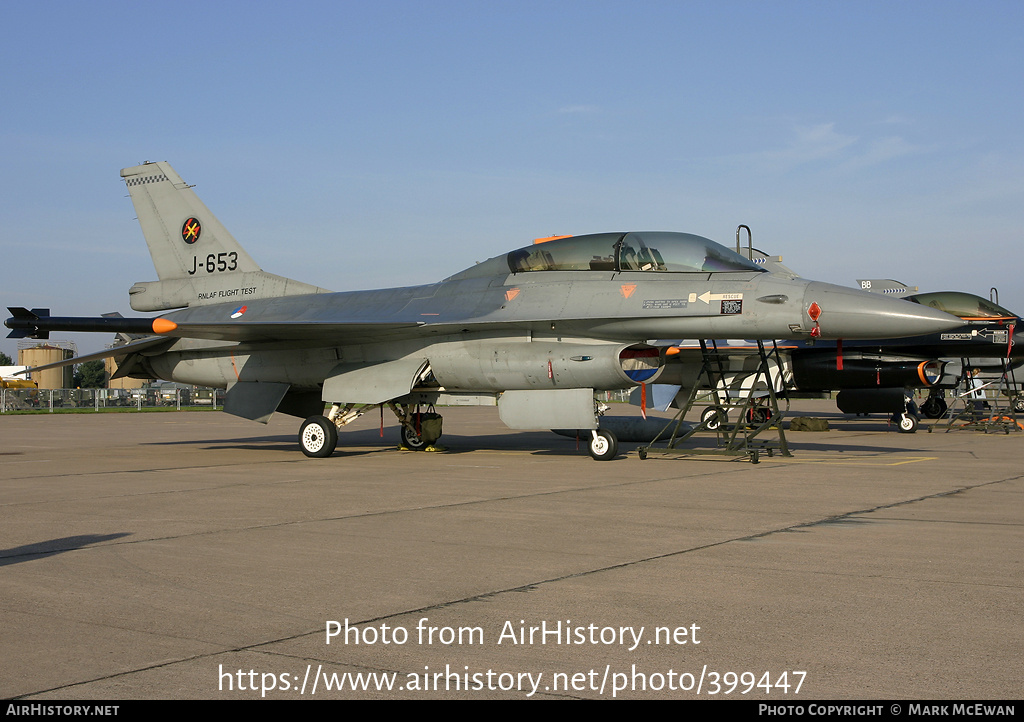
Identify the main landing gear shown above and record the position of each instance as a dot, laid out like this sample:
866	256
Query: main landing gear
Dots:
934	406
419	429
318	435
411	439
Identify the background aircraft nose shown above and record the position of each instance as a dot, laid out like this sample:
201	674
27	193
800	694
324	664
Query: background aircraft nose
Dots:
851	313
1017	343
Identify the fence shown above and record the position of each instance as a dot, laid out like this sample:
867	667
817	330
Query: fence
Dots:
103	399
51	400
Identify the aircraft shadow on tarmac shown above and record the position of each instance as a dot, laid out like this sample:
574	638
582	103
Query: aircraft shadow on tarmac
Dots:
540	443
356	442
257	443
52	547
799	446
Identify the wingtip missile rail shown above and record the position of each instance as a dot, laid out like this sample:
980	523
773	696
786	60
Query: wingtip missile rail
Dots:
38	323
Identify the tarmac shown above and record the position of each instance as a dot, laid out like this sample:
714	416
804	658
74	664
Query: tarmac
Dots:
194	555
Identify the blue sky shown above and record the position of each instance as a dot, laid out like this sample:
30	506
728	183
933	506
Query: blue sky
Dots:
387	143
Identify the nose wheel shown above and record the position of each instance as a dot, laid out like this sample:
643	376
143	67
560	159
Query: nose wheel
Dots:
906	423
603	445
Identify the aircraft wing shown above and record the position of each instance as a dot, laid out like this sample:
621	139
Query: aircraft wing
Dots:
325	331
151	342
260	331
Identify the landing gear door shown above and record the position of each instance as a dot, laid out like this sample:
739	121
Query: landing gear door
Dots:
548	409
359	384
255	401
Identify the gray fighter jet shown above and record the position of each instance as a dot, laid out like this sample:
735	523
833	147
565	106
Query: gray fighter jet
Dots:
535	331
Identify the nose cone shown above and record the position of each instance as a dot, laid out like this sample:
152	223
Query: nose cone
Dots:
851	313
1017	343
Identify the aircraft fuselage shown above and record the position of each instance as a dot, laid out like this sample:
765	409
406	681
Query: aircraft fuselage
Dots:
510	331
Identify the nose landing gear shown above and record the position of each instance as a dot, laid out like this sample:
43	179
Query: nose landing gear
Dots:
603	445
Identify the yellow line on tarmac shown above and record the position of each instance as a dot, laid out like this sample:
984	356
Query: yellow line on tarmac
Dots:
848	461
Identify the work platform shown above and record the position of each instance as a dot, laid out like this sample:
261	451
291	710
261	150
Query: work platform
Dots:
736	408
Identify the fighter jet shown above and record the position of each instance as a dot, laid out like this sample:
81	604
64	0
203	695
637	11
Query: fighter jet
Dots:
535	331
873	376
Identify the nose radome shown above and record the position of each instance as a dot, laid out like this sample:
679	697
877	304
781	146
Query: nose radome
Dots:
851	313
1017	342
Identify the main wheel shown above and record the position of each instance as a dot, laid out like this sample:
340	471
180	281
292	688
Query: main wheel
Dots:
318	437
412	440
758	415
713	417
603	445
933	407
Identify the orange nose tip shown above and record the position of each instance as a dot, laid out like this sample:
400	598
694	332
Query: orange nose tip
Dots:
162	325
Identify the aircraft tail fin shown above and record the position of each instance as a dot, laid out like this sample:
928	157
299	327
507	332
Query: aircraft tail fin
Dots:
180	230
197	260
772	264
887	286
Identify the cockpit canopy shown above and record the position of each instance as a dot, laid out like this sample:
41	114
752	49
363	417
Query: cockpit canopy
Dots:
646	251
965	305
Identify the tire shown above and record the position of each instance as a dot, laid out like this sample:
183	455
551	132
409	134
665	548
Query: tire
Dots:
933	407
318	437
906	423
1018	404
759	415
412	440
713	417
603	445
